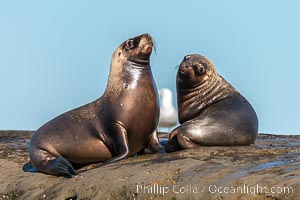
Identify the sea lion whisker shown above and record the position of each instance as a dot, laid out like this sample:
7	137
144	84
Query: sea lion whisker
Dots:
154	45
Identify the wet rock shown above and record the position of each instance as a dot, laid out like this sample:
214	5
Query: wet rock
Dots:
270	169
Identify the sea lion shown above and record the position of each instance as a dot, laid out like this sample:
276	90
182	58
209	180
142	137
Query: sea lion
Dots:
211	112
119	124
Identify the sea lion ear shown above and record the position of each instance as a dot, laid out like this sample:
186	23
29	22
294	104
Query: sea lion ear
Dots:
199	69
187	57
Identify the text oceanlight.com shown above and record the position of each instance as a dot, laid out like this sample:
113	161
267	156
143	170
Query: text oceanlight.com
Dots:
213	189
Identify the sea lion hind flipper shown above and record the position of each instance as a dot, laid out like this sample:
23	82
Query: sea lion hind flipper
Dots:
60	167
186	140
28	167
179	139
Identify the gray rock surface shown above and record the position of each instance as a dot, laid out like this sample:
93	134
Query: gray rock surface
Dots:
270	169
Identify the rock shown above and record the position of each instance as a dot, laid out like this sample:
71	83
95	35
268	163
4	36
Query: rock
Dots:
267	170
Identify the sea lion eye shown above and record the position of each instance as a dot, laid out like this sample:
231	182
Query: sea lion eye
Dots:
199	69
129	44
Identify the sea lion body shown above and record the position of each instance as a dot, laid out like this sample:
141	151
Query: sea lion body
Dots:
119	124
211	111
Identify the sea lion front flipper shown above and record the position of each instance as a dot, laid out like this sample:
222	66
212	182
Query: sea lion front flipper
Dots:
153	145
173	144
121	140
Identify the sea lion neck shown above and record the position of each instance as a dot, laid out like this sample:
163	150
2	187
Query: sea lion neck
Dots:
124	72
133	73
191	101
138	64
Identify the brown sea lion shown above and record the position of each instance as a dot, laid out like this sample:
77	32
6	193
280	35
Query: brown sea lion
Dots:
210	111
119	124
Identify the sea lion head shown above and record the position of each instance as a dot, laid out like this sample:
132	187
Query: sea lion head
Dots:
133	54
198	86
136	50
194	70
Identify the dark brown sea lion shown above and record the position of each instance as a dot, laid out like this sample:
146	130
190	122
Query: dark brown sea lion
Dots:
210	111
119	124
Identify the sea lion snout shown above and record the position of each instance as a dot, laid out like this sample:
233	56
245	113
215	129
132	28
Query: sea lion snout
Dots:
183	70
146	42
143	40
146	35
191	68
